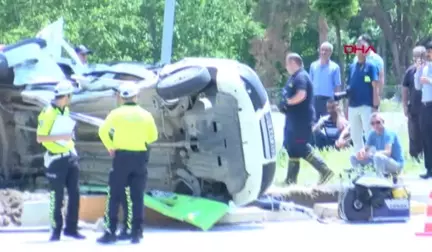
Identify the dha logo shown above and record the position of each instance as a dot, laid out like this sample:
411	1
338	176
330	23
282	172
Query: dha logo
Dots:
397	204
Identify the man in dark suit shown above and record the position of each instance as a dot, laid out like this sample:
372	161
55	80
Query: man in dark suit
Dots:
411	100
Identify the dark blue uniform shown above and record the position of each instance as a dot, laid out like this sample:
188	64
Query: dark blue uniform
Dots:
359	83
299	117
298	128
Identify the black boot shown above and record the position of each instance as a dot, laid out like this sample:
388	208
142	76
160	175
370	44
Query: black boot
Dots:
293	171
427	175
55	235
125	234
73	233
107	238
136	236
318	163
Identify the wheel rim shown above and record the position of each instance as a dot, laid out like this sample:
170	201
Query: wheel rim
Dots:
358	205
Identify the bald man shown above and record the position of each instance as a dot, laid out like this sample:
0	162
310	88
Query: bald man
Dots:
297	104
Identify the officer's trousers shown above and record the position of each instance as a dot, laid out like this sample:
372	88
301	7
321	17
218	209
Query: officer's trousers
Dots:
426	126
296	140
126	204
61	173
129	170
415	136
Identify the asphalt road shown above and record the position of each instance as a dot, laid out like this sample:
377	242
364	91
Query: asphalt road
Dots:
282	236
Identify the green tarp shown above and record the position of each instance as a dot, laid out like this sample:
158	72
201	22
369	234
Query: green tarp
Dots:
200	212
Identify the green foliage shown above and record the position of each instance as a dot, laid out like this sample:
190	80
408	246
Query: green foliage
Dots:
205	28
132	29
336	10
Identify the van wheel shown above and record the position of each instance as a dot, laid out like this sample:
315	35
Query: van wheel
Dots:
186	82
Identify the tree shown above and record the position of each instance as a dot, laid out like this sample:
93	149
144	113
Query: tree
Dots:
282	18
336	11
323	29
206	28
113	29
401	26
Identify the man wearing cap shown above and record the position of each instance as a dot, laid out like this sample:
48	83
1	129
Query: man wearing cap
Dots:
423	82
83	52
126	201
61	162
297	104
132	129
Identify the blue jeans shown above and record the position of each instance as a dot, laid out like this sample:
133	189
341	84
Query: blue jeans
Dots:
383	164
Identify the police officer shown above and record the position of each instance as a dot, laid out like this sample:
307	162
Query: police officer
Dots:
62	163
126	201
132	129
297	104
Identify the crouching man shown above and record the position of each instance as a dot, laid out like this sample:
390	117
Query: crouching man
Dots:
383	149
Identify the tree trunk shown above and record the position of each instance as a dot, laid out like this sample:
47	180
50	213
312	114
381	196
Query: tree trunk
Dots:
323	29
341	56
384	23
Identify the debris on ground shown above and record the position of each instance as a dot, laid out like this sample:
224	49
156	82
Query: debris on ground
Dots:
307	196
11	207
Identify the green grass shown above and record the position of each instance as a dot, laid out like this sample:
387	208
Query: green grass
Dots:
339	160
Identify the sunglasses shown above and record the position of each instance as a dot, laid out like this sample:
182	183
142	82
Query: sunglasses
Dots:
375	123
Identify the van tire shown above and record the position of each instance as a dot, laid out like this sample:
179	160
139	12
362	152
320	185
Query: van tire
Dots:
4	67
185	82
268	176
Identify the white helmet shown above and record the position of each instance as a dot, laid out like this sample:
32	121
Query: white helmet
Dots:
128	90
64	87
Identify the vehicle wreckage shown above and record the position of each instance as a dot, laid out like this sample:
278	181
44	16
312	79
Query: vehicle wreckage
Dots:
216	131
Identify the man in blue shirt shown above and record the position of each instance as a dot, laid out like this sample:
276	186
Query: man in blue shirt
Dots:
383	149
373	58
297	104
363	96
326	79
423	83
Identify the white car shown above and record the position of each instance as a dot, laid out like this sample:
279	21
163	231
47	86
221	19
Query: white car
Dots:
216	131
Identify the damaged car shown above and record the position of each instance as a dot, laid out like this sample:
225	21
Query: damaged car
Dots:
216	135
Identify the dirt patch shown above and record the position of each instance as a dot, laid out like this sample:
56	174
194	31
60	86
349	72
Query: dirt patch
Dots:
11	207
307	196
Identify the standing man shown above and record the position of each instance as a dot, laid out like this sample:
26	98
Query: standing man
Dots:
363	96
126	201
366	41
297	104
62	164
411	100
83	52
326	79
132	129
423	82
